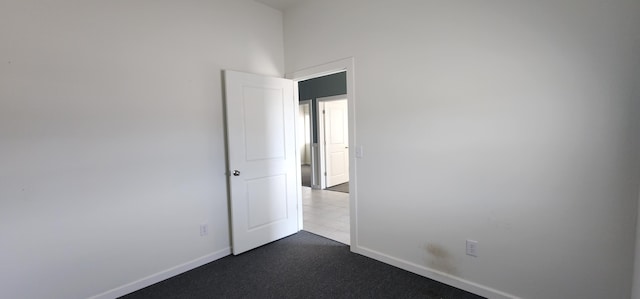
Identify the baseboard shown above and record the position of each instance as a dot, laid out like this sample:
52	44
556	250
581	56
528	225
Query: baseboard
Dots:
434	274
402	264
160	276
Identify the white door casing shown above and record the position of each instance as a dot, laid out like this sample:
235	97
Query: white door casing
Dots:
261	148
336	139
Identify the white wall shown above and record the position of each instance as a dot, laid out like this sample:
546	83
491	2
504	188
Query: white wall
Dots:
111	136
507	122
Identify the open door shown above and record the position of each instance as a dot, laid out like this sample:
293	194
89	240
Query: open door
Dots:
335	133
261	147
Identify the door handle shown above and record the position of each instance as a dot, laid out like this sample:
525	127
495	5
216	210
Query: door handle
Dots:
236	173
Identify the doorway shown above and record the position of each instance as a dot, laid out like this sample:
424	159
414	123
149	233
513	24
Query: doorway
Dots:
252	194
323	134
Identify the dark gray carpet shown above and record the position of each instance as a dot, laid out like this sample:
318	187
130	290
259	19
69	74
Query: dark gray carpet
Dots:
300	266
344	188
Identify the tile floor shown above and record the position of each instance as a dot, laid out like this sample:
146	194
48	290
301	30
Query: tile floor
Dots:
326	213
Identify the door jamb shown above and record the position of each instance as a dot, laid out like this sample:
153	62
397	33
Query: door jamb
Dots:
313	147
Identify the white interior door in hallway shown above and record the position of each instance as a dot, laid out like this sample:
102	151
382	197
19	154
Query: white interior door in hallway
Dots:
263	170
335	130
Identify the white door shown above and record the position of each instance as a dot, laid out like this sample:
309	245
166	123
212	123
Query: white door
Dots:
260	115
336	132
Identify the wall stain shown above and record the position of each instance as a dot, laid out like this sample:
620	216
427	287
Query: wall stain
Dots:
438	258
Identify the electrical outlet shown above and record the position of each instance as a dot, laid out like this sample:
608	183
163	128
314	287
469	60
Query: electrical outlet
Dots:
472	248
204	230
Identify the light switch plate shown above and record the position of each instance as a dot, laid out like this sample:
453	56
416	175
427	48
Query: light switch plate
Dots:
472	248
359	152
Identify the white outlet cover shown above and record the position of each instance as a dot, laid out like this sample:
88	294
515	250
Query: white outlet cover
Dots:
204	230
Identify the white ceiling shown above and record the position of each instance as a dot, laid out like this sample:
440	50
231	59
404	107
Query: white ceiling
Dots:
279	4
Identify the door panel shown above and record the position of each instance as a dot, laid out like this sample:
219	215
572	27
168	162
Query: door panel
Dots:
264	123
267	200
338	166
261	147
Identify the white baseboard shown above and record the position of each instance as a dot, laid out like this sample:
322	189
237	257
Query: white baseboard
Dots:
160	276
402	264
434	274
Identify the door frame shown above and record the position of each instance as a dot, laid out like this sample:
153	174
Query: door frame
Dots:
322	144
313	147
344	65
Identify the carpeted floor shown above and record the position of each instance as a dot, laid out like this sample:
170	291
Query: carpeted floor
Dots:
344	188
303	265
